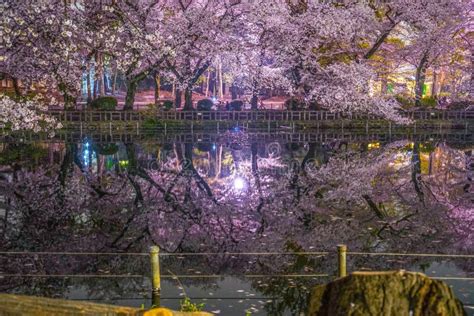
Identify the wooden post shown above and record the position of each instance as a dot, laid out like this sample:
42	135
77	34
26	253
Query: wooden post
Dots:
155	275
341	259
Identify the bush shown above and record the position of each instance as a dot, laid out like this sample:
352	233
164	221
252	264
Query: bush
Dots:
104	104
429	102
205	105
167	105
236	105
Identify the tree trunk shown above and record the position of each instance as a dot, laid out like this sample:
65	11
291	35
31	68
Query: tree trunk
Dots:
100	75
212	163
383	85
88	84
188	99
420	78
379	42
384	293
254	102
114	83
157	88
130	97
95	87
233	91
177	97
471	83
219	162
434	87
208	79
16	86
221	84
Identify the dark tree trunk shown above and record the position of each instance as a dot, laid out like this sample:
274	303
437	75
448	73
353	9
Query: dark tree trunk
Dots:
177	98
94	91
379	42
132	85
416	171
188	99
114	83
254	101
157	88
88	84
309	155
233	92
420	78
130	97
16	86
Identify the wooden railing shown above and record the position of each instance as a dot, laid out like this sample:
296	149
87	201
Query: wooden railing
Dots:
246	116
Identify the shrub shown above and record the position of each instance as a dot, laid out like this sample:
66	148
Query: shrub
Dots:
167	105
205	105
104	104
236	105
429	102
405	102
294	104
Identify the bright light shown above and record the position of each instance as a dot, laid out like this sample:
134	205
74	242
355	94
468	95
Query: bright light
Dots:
239	183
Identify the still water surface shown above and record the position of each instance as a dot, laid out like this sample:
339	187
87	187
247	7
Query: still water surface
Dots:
236	192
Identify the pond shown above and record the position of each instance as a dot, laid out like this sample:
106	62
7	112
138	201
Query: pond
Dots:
230	211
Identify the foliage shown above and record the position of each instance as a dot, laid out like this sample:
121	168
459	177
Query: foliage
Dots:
18	153
104	103
429	102
167	105
188	306
204	105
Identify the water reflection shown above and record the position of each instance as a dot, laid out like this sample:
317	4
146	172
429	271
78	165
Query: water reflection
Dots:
231	193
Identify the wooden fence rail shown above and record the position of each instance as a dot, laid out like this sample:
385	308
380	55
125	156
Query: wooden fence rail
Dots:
244	116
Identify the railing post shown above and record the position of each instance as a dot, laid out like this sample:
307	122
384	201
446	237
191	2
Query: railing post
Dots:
155	275
341	260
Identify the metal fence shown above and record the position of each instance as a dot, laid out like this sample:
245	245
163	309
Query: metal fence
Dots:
246	116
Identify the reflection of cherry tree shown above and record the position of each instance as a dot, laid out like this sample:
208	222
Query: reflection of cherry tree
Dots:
296	198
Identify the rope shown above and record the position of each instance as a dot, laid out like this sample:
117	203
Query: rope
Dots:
163	275
408	254
164	254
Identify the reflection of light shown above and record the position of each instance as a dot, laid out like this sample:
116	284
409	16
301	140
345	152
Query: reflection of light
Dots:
236	129
123	163
373	145
239	183
86	153
213	146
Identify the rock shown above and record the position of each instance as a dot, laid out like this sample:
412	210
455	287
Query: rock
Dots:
384	293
